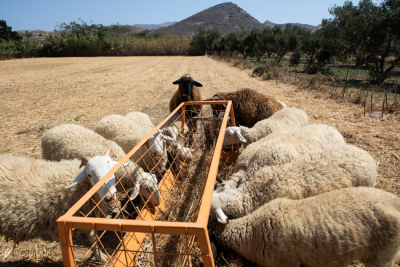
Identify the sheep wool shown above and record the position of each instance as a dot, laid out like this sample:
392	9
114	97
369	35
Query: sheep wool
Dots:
127	134
71	141
282	119
250	106
288	147
329	168
142	119
332	229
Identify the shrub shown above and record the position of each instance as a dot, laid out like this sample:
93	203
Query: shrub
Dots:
295	58
259	70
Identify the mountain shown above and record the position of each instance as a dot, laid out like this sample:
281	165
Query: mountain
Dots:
154	26
283	26
225	17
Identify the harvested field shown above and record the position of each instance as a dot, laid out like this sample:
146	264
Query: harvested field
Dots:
37	94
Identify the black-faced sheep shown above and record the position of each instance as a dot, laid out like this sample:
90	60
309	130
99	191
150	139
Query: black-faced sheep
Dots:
249	106
327	169
187	91
332	229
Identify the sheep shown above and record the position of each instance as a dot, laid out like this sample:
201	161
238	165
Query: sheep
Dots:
35	193
281	119
332	229
141	119
285	148
248	105
152	157
188	90
71	141
329	168
176	141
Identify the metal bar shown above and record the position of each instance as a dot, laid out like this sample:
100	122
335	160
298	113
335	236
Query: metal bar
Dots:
233	124
67	249
183	120
209	187
205	248
153	238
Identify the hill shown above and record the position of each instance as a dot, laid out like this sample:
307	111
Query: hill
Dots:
283	26
154	26
36	34
225	17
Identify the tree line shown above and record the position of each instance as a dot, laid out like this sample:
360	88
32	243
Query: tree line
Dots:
368	32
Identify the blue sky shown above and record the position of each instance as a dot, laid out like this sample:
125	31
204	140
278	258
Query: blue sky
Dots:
45	14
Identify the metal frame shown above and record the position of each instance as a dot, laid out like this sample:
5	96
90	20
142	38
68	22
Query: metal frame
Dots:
199	229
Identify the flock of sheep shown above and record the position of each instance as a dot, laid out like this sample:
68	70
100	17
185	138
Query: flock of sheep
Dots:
299	194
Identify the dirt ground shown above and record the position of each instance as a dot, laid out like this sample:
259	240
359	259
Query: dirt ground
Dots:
37	94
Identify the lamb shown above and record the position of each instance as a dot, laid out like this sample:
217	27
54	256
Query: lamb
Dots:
287	147
71	141
329	168
35	193
187	91
152	157
176	141
332	229
141	119
281	119
248	105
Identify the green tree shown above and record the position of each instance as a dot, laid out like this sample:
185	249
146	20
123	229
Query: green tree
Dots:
28	34
261	42
369	31
6	32
203	39
284	41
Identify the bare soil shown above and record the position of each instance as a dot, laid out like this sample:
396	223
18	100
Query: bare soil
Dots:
37	94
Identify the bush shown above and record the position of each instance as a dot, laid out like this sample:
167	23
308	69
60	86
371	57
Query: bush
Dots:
295	58
259	70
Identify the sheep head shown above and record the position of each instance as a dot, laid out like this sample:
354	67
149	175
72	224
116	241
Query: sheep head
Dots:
185	86
233	135
95	169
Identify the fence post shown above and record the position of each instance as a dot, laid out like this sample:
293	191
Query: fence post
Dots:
67	249
205	248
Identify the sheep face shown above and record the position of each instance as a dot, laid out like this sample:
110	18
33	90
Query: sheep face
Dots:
149	189
217	109
218	203
233	136
185	86
95	169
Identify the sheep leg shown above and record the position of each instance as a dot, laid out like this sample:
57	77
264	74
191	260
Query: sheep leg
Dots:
99	255
7	253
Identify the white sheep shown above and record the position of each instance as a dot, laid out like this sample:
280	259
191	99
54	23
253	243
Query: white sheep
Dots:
152	157
71	141
282	119
329	168
35	193
285	148
332	229
142	119
176	142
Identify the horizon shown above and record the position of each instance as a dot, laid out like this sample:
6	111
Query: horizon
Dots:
46	15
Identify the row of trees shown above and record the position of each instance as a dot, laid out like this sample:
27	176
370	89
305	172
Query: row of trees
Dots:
83	39
368	32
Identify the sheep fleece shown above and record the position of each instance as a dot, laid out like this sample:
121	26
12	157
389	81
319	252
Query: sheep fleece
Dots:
250	106
331	229
33	196
327	169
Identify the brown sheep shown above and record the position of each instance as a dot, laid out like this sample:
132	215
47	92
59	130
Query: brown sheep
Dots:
249	106
187	91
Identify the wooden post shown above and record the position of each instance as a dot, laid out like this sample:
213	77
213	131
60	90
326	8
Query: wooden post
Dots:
365	104
383	107
371	102
386	101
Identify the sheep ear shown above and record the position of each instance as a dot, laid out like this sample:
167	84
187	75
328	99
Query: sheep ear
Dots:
136	192
165	137
221	217
78	179
84	161
177	81
240	137
110	153
197	84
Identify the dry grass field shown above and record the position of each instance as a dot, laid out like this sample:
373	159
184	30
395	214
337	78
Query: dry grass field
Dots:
37	94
